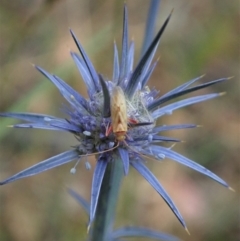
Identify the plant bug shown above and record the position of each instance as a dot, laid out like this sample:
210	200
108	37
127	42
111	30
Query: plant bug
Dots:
119	118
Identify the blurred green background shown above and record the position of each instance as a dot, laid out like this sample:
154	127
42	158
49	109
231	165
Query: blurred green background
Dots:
201	38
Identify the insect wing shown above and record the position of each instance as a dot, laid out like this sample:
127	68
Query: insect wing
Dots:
118	110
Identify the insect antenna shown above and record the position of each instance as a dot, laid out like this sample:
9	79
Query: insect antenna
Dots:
100	152
135	151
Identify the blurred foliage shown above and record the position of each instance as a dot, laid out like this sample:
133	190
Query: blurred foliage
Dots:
202	38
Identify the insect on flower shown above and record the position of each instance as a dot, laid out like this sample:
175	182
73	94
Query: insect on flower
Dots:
119	117
119	113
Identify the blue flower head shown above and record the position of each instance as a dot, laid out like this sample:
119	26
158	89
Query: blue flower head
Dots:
92	120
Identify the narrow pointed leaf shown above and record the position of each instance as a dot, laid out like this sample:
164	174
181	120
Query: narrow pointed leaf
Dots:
96	186
31	117
125	159
83	70
150	25
106	98
172	127
80	200
66	92
141	232
168	109
182	87
145	172
72	92
116	68
45	127
130	58
186	162
87	61
148	74
124	57
157	138
145	70
67	126
45	165
184	92
164	138
134	81
42	122
140	124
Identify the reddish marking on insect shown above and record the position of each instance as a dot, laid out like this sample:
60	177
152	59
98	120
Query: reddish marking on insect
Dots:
132	121
108	129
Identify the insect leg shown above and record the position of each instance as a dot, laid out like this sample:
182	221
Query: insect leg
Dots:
108	129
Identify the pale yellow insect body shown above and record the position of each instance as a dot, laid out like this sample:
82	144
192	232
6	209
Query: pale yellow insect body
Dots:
119	113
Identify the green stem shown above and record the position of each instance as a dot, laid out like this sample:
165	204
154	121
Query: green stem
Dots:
107	202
